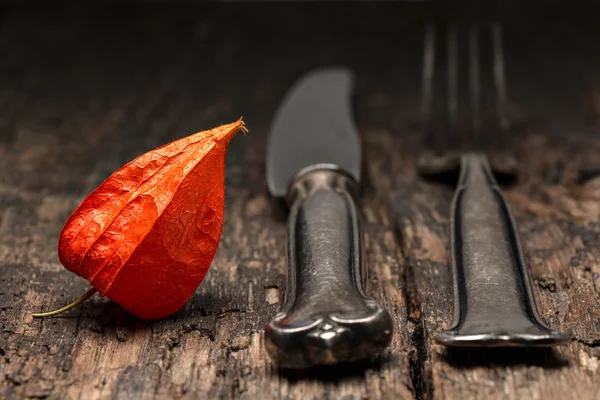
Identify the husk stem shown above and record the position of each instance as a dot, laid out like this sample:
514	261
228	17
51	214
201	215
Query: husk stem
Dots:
80	300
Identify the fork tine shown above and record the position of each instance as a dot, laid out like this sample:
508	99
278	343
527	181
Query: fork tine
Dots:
474	81
499	76
503	162
452	44
442	140
428	84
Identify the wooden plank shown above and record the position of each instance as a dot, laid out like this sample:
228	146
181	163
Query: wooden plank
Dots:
558	222
88	89
67	129
563	263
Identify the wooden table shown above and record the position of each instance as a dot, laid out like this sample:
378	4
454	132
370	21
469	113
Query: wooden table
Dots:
86	89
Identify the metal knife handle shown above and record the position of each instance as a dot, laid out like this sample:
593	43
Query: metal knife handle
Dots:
327	316
493	299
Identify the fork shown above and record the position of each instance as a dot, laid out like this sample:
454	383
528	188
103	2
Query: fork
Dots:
493	299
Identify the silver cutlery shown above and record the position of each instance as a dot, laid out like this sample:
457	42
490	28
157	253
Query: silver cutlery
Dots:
493	299
314	162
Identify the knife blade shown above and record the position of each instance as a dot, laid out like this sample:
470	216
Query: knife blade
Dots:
313	161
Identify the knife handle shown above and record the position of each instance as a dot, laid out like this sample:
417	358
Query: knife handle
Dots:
327	317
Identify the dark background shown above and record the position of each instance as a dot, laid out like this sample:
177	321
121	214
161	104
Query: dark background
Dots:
86	87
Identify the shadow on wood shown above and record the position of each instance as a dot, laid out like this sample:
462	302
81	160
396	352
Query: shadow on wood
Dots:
279	210
482	357
335	373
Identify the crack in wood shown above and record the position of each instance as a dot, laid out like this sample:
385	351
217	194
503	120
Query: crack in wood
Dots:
420	372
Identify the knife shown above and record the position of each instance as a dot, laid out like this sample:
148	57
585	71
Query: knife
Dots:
313	161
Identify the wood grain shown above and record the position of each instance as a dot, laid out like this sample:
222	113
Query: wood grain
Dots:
83	90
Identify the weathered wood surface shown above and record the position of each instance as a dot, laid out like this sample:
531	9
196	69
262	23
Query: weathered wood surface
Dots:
85	90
